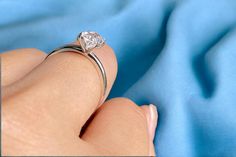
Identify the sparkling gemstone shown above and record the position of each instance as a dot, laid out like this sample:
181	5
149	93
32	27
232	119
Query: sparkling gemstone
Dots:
90	40
100	41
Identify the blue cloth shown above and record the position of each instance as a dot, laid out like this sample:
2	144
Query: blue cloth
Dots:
178	54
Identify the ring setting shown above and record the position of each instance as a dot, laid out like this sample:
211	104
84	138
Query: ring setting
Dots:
90	40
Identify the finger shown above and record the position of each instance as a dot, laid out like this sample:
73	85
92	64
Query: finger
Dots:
120	125
17	63
66	86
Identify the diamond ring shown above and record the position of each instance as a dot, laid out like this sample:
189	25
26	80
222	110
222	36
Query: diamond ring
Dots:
88	42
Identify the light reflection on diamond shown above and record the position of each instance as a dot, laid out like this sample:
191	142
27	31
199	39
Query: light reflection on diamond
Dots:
90	40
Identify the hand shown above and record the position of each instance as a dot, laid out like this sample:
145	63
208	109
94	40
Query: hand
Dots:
46	104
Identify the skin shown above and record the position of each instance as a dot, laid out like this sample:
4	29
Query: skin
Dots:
46	104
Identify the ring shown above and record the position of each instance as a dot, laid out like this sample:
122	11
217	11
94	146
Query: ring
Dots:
88	42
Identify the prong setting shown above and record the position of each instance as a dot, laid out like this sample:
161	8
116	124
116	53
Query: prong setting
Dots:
90	40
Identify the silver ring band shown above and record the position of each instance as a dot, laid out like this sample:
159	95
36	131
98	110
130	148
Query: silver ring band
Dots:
86	50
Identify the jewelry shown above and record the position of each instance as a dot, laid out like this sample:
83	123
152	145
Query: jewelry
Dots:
88	42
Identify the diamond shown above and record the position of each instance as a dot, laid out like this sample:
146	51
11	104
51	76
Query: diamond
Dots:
90	40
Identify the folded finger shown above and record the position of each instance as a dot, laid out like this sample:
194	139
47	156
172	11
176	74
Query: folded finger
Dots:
17	63
65	86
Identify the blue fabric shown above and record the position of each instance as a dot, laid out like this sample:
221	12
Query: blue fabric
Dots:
178	54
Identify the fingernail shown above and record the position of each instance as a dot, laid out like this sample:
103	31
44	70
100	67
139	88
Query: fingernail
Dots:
152	121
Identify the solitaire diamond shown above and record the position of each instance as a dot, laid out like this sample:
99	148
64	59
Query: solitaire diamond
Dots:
90	40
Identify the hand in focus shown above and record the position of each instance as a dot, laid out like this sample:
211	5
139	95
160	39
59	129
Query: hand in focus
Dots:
51	107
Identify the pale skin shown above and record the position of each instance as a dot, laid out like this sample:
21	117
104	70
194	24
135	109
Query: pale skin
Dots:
45	104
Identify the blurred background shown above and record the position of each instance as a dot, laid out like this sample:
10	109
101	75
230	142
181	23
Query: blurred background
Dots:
178	54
